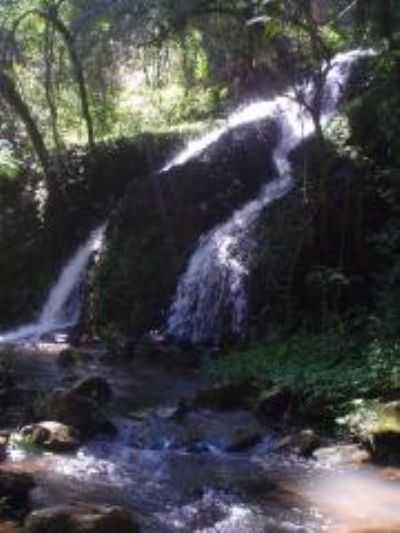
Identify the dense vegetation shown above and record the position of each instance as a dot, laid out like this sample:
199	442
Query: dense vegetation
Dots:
77	76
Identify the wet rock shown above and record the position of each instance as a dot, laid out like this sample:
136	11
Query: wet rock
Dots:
94	388
81	519
347	454
14	490
275	403
225	397
53	436
302	443
142	235
72	409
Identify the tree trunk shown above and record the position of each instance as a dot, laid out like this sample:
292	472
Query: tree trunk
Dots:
11	95
78	70
49	60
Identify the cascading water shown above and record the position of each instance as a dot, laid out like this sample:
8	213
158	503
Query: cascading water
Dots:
211	297
63	306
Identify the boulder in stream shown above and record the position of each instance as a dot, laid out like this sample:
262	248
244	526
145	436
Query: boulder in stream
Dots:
73	409
81	519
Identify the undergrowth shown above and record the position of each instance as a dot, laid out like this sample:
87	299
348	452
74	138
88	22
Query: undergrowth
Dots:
327	367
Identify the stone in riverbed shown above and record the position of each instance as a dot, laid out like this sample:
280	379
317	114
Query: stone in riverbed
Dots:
303	443
53	436
72	409
81	519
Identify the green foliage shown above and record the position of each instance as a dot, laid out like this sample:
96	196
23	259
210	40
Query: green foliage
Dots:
332	38
328	367
9	166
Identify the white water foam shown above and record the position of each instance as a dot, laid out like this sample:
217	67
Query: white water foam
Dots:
63	306
211	297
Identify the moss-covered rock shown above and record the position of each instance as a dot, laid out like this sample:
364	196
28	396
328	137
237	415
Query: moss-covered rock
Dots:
154	230
49	435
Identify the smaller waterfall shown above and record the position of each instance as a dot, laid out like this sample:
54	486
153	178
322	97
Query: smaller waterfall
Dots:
63	306
211	297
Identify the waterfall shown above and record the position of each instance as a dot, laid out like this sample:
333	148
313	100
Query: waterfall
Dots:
63	305
211	297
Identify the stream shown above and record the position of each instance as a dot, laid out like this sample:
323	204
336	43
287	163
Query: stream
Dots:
173	483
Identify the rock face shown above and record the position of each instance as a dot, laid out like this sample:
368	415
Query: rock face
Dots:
148	246
81	519
53	436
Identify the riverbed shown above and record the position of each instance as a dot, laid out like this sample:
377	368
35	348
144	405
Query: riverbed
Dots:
175	484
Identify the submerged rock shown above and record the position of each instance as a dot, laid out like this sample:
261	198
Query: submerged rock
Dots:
54	436
81	519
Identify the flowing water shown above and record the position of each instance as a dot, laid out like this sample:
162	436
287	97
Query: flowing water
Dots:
152	467
211	298
63	305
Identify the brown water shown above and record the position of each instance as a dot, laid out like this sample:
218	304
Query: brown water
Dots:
175	488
